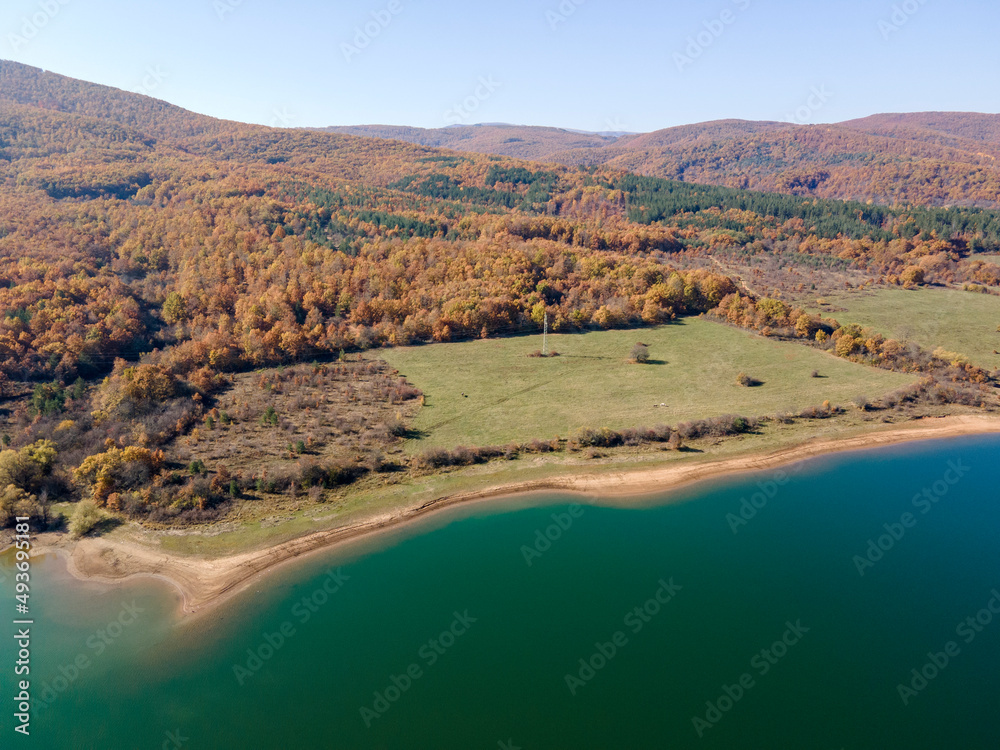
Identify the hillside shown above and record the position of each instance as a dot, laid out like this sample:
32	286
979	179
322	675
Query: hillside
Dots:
164	275
926	159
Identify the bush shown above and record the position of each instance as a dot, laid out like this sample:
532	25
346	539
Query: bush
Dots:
640	354
747	382
27	467
602	438
85	518
729	424
15	502
818	412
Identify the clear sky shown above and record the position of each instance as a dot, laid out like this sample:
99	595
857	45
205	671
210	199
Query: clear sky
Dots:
586	64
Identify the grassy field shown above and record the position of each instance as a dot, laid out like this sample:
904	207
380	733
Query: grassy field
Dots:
491	391
958	321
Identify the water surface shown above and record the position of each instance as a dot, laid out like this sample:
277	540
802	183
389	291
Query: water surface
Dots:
445	637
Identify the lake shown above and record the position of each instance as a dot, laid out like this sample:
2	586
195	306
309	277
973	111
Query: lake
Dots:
851	601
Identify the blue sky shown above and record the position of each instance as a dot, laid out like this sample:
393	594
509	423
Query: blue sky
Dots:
587	64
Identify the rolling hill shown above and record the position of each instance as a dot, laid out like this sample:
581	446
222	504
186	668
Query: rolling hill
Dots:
933	158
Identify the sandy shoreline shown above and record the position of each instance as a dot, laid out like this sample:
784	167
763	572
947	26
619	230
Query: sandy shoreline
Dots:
204	583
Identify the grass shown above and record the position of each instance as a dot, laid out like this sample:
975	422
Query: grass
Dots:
958	321
693	369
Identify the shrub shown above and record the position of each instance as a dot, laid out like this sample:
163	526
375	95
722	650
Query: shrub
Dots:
85	518
818	412
602	438
640	354
543	446
27	467
747	382
15	502
207	380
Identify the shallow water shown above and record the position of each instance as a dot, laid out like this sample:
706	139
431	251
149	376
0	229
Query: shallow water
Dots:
445	637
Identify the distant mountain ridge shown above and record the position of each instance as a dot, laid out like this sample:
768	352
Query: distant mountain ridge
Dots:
927	158
518	141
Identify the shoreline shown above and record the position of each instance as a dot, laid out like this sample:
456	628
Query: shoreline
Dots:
205	583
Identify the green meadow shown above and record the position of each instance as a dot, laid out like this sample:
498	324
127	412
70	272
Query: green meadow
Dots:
491	391
957	321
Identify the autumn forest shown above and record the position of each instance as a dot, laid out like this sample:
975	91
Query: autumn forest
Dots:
153	261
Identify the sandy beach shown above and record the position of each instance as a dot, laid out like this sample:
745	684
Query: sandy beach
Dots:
203	583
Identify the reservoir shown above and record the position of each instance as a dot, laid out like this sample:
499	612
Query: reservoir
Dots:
850	601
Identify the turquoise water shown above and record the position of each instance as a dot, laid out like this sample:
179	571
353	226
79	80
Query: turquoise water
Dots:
769	637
